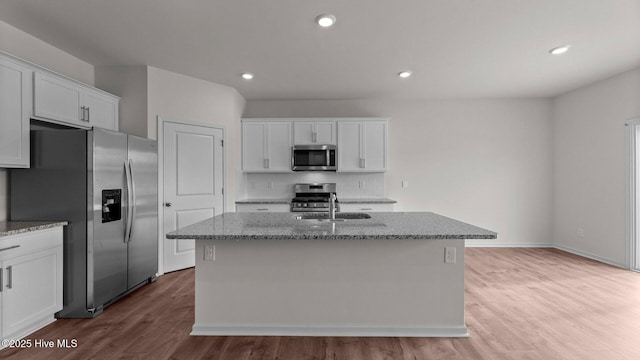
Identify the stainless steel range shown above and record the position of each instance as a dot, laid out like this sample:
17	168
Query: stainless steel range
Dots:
313	197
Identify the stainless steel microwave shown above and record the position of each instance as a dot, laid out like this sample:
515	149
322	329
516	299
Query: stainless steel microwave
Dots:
313	158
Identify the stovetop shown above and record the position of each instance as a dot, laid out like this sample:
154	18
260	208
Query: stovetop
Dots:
313	197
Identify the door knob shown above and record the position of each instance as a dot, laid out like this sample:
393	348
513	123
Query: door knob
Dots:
167	204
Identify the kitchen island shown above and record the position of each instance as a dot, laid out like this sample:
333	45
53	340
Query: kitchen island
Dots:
393	274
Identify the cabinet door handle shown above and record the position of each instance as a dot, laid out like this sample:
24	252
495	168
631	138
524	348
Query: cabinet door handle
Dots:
314	136
9	277
10	247
266	163
84	114
364	209
1	280
364	163
88	114
262	209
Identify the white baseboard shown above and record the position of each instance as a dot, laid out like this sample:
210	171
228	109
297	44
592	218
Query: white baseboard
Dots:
327	330
493	243
489	243
591	256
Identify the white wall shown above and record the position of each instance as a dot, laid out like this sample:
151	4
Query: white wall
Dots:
18	43
185	98
130	83
486	162
590	166
27	47
280	186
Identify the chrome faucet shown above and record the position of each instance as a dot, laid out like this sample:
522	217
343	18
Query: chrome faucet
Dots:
332	206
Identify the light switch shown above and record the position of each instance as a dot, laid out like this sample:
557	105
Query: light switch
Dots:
209	253
450	255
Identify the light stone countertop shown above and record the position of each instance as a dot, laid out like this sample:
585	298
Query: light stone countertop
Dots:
9	228
264	201
340	200
366	201
381	225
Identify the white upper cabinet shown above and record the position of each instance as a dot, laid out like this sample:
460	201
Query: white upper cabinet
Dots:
362	145
101	109
266	146
15	106
306	132
361	142
30	91
57	99
71	103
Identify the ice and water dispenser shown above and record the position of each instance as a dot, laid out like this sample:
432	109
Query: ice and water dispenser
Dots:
111	205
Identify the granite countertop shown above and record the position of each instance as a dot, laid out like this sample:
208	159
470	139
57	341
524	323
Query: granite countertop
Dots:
381	225
264	201
8	228
340	200
366	201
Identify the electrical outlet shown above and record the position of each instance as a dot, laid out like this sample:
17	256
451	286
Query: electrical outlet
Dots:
209	253
450	255
405	184
270	185
580	232
362	184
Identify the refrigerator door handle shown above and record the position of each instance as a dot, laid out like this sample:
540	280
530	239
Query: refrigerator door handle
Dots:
133	199
127	225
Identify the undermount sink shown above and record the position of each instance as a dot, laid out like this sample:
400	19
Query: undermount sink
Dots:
339	216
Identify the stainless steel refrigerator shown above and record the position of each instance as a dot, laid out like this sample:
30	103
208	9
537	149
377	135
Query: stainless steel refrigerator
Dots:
104	184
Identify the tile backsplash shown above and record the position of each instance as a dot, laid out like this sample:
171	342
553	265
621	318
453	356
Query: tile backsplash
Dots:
349	185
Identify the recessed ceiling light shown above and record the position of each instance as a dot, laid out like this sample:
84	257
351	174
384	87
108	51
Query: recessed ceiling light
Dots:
405	74
325	20
559	50
247	76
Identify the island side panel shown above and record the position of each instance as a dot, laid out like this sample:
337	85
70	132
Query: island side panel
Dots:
359	287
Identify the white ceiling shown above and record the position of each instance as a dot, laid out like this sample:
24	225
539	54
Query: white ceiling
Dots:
455	48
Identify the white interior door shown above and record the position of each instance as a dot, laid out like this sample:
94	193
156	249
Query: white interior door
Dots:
192	185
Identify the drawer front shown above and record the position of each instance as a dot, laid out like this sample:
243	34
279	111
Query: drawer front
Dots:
366	207
263	207
15	245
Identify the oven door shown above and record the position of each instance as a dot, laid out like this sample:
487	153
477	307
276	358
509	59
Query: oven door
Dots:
313	158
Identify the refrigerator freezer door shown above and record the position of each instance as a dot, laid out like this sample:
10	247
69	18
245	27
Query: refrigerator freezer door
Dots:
106	246
143	243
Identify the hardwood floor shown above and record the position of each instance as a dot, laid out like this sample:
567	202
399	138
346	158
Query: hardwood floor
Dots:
520	304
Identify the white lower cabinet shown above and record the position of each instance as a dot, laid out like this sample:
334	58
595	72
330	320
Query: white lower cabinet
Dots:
31	281
263	207
364	207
